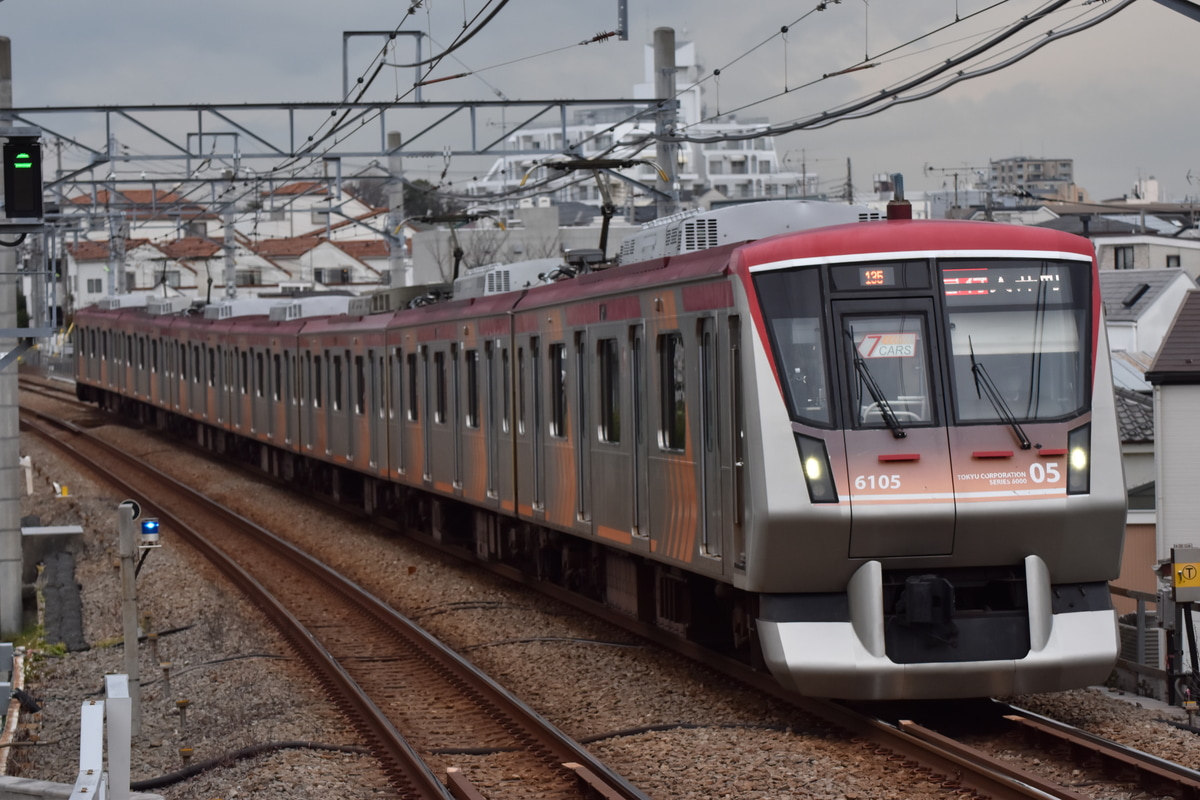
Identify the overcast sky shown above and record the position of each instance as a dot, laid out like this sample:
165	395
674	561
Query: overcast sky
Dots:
1119	98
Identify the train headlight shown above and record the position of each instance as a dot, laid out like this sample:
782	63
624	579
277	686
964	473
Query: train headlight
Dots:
1079	461
818	476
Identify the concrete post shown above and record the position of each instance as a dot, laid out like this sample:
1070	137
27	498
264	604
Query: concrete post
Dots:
127	547
117	732
230	245
665	119
91	782
116	249
10	441
399	265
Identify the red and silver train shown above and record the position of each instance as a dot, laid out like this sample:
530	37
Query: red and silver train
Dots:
877	457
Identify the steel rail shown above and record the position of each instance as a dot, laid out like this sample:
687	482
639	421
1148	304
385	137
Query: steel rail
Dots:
1150	770
960	767
592	777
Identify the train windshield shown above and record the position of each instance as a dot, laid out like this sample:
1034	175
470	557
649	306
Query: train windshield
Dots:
1018	338
890	385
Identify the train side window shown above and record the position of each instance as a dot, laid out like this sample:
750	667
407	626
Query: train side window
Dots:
261	370
278	378
335	398
243	371
708	385
212	367
154	356
183	362
317	386
672	387
289	377
505	391
394	371
305	378
413	408
439	376
521	390
472	365
382	390
635	358
360	386
558	390
610	390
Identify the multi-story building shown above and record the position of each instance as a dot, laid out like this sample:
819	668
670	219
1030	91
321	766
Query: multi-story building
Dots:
1040	177
729	168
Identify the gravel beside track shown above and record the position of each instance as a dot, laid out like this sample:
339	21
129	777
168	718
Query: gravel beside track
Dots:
245	689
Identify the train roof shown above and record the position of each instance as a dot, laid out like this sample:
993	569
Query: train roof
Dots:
918	238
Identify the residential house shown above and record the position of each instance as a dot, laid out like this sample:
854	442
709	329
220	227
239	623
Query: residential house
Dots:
299	208
313	262
1175	376
151	214
1140	304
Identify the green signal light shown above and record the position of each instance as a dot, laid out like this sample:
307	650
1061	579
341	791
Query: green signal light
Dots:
23	161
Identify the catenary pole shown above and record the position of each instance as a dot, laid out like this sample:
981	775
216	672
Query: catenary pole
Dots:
665	119
400	275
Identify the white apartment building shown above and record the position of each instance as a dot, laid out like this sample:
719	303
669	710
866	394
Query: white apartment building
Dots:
737	169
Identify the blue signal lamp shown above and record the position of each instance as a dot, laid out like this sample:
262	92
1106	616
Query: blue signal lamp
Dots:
149	537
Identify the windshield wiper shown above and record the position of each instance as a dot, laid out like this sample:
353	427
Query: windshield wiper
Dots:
985	385
864	375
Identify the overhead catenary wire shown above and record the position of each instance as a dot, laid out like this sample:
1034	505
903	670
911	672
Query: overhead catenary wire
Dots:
365	84
348	122
890	96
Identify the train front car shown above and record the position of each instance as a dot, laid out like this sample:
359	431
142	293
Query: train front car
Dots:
945	517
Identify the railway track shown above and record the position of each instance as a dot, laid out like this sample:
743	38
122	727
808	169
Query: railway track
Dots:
415	701
913	747
1146	771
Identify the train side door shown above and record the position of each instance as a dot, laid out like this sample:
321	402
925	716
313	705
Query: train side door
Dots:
426	428
641	438
736	443
897	449
583	437
710	437
535	374
289	397
611	451
377	409
456	414
395	406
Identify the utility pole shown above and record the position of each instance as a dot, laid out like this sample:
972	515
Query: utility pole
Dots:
954	173
664	120
10	443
